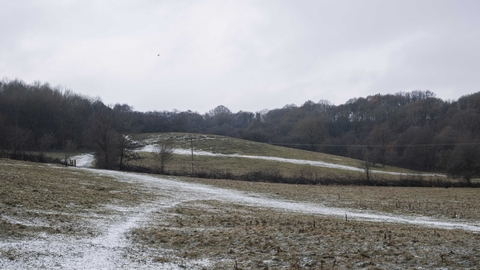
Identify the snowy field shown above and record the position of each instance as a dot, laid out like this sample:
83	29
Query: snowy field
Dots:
190	191
187	152
111	248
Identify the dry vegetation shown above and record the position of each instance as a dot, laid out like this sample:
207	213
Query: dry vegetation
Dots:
232	167
226	145
51	200
181	164
239	237
36	198
450	203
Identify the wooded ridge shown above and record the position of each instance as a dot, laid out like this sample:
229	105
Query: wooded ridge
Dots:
414	129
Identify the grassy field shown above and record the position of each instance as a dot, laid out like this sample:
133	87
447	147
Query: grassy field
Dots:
451	203
226	145
251	238
41	201
231	164
52	199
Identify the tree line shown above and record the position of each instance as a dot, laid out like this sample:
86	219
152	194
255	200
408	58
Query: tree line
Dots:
414	130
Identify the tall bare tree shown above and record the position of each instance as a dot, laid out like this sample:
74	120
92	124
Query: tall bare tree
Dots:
20	139
124	124
310	131
379	136
126	147
163	155
104	138
45	142
366	165
465	162
69	147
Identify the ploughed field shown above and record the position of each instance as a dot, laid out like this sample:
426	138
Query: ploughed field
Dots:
79	218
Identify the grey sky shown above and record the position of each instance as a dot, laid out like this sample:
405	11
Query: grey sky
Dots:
246	55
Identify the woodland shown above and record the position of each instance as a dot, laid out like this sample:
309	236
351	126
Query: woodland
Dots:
414	130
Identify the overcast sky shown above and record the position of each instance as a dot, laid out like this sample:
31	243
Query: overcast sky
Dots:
245	55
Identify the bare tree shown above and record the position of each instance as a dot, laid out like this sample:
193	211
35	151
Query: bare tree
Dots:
45	142
219	110
465	163
125	125
163	155
126	147
310	131
69	147
3	134
19	139
379	136
366	165
102	136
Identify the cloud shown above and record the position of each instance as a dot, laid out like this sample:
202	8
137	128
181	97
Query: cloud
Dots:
246	55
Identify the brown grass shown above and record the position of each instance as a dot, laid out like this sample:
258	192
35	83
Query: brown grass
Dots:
227	145
36	198
253	238
239	168
451	203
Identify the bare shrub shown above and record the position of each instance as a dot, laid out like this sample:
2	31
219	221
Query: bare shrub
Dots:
163	155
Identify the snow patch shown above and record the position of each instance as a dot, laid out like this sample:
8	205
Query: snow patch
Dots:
35	222
182	192
84	160
153	148
112	250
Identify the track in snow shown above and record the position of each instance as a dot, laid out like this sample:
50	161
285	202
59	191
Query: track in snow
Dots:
111	249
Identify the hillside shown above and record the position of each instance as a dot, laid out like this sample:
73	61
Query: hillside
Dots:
229	158
413	130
